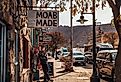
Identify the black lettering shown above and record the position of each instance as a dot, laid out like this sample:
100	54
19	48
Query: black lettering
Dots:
39	14
38	22
54	22
50	22
50	15
45	23
45	15
54	15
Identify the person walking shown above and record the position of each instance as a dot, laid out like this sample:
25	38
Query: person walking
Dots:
44	62
35	71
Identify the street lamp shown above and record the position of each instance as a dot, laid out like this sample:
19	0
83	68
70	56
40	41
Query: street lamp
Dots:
82	20
94	77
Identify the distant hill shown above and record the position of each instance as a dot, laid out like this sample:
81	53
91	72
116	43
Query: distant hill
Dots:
81	33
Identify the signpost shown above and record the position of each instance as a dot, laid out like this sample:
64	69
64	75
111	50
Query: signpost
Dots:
43	18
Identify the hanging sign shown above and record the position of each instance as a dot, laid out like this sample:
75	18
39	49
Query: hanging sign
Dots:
43	18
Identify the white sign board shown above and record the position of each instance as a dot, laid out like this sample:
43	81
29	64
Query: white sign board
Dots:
43	18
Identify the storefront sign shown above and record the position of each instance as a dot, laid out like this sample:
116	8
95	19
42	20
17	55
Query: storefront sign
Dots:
43	18
45	38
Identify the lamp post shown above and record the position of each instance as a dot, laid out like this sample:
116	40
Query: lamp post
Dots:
94	77
71	36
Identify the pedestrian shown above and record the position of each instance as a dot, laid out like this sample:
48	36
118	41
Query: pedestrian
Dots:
35	59
56	54
35	63
44	62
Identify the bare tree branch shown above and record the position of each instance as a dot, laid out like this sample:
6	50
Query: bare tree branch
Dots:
111	3
118	3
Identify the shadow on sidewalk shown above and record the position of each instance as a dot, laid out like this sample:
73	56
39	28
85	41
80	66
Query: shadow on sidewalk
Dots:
61	73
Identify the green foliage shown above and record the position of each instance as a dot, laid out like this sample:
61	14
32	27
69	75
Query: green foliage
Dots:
58	39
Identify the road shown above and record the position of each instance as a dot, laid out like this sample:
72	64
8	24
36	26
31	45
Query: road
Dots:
88	68
84	72
80	74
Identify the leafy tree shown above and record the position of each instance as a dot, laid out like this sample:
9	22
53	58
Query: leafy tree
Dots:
110	37
58	39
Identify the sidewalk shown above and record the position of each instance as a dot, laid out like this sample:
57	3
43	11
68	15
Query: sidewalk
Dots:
76	76
79	74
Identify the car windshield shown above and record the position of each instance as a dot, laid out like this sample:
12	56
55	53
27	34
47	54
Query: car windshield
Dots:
107	55
88	53
102	55
64	50
77	54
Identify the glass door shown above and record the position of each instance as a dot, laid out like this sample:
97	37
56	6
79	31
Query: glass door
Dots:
1	51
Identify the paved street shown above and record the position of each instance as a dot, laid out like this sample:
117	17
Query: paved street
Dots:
80	74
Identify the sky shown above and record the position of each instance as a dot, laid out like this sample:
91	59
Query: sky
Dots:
103	16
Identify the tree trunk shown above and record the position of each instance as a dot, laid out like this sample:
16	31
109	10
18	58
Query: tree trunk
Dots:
118	58
116	14
118	63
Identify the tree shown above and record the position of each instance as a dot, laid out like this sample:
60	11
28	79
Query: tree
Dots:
115	5
110	37
58	40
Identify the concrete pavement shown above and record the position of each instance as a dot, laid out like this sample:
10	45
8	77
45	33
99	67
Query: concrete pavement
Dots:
79	74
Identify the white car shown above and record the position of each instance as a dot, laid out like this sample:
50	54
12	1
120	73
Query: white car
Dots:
65	54
79	57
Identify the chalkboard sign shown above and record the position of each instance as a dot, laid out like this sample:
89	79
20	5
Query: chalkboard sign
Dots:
51	68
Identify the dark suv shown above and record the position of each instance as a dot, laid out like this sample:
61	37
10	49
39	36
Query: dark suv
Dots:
106	63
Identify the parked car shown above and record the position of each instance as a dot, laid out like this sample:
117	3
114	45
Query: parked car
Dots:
62	52
65	54
106	63
79	57
89	57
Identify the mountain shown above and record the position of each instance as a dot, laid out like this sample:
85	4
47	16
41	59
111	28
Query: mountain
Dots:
81	33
